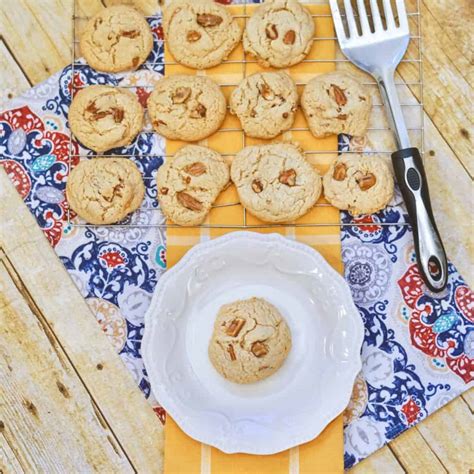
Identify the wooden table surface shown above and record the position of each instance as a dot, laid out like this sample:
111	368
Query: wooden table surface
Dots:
67	403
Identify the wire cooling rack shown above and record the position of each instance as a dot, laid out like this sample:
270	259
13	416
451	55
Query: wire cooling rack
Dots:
411	98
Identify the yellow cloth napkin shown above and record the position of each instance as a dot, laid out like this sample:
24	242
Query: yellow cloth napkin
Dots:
183	455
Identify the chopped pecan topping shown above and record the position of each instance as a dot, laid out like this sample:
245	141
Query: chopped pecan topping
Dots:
342	117
117	114
181	95
130	33
271	32
135	61
257	186
187	180
92	108
235	327
362	98
196	169
340	172
208	19
193	36
230	350
289	37
100	115
164	191
259	349
266	92
366	181
198	112
253	113
338	95
288	177
189	202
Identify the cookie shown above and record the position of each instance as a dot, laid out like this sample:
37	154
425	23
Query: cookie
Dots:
250	342
336	103
189	183
104	117
105	190
275	182
200	33
265	103
188	108
116	39
361	184
279	33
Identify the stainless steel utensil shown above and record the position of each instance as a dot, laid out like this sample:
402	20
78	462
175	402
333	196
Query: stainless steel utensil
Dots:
379	52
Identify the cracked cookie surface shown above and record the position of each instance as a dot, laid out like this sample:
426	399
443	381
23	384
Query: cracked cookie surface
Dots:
104	117
200	33
336	103
185	107
275	182
265	104
361	184
250	342
279	33
105	190
189	183
116	39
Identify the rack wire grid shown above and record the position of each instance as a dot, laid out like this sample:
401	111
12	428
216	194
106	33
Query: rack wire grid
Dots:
411	66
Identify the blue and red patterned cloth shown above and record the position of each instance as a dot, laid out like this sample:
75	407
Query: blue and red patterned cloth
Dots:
418	351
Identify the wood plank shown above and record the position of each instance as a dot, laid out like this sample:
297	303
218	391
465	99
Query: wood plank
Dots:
148	7
108	382
382	461
44	403
468	397
8	461
449	434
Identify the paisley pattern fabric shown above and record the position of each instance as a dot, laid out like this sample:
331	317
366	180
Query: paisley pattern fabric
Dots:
418	351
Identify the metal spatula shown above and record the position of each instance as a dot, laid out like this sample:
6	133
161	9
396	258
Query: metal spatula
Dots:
379	53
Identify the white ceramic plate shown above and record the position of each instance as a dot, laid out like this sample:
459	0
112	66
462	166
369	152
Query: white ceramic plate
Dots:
293	405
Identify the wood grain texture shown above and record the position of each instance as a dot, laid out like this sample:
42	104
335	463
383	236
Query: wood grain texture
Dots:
76	338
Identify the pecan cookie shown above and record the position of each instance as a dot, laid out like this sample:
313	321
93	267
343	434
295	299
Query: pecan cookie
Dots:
189	183
279	33
275	182
105	190
336	103
104	117
250	342
265	103
116	39
200	33
360	184
188	108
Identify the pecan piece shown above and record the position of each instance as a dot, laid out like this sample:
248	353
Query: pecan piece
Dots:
130	34
338	95
164	191
196	169
181	95
193	36
117	114
271	32
189	202
235	327
208	19
92	108
289	37
259	349
257	186
266	92
230	350
342	117
340	172
198	112
135	61
100	115
366	181
288	177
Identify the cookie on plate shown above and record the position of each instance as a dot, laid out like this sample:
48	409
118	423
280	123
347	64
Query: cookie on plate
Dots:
189	183
336	103
250	342
200	33
279	33
104	117
185	107
361	184
275	182
116	39
105	190
265	103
